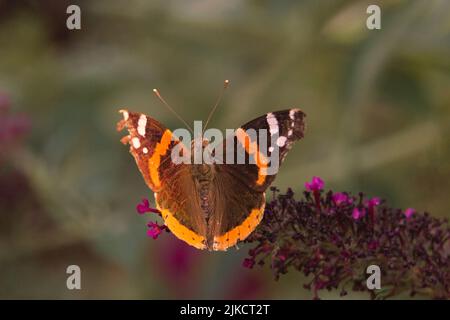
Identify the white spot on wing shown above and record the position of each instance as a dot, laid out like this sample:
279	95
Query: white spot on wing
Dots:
290	132
271	149
124	114
141	125
281	141
273	123
292	114
136	143
145	150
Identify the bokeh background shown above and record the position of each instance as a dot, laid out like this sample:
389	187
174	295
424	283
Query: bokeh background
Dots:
378	106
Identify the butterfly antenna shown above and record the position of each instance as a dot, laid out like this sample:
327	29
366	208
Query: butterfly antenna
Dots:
225	85
158	95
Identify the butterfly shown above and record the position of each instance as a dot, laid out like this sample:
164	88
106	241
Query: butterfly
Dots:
210	206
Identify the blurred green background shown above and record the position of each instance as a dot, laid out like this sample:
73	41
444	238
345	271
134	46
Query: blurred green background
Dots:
377	105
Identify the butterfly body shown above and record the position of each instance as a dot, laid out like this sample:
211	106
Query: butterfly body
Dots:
210	206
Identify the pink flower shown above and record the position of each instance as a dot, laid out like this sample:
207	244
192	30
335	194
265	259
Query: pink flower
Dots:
340	198
144	207
409	212
154	229
316	184
375	201
357	213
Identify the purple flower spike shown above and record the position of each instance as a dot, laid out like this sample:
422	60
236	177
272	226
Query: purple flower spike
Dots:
144	207
340	198
409	212
330	244
316	184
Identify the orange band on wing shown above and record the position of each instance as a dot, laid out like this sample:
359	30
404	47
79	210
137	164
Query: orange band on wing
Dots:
240	232
179	230
252	148
154	162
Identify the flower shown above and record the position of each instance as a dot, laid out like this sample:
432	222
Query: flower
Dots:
316	184
340	198
357	213
155	229
144	207
409	212
372	202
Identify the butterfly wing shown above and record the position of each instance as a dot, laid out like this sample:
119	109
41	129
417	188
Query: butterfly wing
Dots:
282	129
242	186
151	145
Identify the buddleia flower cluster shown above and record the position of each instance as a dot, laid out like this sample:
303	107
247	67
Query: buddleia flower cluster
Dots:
331	238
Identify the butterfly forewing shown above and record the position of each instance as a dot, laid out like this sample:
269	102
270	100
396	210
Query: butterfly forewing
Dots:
275	134
174	189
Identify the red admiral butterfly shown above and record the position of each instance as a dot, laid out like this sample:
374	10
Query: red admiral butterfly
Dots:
209	206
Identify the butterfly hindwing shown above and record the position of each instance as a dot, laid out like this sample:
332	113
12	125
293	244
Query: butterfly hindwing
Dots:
179	203
238	210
